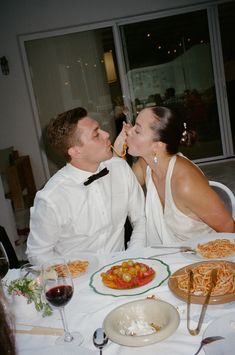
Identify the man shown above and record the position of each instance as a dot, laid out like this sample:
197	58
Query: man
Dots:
75	212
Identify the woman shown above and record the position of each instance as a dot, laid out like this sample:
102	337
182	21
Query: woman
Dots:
180	204
7	340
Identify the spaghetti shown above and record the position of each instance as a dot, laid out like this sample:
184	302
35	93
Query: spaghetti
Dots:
123	154
202	279
76	268
217	248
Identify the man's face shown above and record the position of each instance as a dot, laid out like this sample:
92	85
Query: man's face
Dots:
96	146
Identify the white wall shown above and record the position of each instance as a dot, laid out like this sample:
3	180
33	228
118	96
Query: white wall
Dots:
19	17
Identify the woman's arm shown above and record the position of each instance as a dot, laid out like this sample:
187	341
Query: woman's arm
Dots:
192	189
139	167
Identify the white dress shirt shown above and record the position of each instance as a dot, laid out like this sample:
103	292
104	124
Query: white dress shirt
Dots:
69	217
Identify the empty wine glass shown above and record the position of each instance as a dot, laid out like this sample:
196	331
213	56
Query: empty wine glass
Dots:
4	262
58	290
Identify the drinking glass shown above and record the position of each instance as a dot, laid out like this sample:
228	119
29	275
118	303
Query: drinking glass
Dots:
4	262
58	290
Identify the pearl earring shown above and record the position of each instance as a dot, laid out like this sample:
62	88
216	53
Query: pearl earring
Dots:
155	159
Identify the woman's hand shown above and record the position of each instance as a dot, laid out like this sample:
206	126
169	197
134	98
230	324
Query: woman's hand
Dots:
119	147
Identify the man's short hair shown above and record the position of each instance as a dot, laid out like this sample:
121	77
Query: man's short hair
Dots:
60	130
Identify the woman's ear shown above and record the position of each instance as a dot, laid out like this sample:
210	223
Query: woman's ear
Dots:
154	147
161	146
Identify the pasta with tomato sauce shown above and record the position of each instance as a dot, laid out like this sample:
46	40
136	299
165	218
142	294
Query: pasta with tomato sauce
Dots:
202	279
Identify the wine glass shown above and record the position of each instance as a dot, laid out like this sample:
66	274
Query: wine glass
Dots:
58	290
4	262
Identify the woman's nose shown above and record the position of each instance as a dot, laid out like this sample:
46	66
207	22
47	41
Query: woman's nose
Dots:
129	132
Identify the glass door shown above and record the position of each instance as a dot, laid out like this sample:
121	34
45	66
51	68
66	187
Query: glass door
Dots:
76	69
168	62
226	17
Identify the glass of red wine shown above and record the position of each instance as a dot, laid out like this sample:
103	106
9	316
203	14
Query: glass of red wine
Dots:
4	262
58	290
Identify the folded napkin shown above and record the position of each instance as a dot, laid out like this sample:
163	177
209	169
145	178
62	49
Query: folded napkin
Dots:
67	349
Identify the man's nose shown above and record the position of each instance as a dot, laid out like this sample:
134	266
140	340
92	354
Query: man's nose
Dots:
105	134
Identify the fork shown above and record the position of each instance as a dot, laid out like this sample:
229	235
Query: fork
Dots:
180	247
181	250
208	340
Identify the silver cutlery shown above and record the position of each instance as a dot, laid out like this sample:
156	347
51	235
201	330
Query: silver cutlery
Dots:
182	249
100	339
208	340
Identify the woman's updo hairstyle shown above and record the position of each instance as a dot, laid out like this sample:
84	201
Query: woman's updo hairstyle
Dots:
170	129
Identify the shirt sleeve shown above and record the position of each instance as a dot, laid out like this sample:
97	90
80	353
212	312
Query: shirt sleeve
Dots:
136	212
44	232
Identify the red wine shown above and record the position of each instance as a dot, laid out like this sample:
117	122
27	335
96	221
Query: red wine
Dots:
59	296
3	267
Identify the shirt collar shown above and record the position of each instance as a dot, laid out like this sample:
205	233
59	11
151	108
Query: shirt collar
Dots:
81	175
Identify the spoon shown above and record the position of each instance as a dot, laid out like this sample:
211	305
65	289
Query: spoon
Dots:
208	340
100	339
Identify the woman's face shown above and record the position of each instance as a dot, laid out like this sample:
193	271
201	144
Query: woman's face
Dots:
140	137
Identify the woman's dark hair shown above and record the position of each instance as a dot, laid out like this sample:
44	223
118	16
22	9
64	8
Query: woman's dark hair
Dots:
60	131
170	129
7	340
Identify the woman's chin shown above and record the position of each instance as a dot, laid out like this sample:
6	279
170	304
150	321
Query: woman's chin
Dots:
132	152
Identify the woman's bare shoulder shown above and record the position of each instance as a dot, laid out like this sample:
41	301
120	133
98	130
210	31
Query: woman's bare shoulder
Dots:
188	177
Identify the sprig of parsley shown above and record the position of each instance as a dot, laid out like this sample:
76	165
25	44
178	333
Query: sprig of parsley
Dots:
32	290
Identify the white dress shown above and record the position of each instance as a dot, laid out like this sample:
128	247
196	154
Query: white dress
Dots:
168	225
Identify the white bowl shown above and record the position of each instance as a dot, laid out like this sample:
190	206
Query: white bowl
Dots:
136	317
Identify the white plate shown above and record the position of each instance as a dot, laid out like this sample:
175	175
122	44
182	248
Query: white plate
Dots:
204	239
91	258
221	326
162	273
141	313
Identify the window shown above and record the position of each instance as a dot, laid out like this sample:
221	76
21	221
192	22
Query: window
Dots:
168	63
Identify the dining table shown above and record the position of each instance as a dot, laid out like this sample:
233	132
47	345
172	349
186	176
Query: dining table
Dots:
88	308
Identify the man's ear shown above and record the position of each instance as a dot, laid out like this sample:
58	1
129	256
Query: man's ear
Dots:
74	151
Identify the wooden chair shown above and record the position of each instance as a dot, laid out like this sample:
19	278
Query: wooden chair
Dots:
12	257
20	178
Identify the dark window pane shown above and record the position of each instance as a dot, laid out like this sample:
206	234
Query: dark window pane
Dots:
168	63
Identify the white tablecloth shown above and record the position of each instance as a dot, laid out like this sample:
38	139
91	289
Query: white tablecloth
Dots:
87	310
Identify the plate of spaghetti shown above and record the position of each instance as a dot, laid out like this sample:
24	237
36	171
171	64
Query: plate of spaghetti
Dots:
224	290
82	264
213	246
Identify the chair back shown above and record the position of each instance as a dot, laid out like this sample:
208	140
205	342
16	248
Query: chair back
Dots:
12	257
226	195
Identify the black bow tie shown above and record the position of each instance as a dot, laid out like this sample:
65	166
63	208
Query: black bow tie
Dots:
94	177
